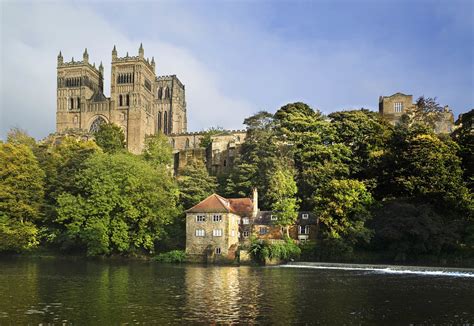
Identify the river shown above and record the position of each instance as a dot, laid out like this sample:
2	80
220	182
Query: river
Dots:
88	292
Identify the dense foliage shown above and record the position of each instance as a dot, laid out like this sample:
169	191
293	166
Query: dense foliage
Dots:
400	190
173	256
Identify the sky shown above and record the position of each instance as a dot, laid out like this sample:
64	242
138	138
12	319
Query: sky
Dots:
240	57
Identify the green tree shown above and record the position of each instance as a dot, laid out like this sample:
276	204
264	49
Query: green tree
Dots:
257	159
110	138
408	229
282	192
195	184
158	150
464	137
366	134
121	205
21	196
343	207
426	111
418	164
310	140
206	140
18	136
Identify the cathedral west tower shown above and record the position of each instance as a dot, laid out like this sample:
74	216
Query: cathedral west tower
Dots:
140	102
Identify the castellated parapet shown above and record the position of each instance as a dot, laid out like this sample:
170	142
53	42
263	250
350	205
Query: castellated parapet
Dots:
140	102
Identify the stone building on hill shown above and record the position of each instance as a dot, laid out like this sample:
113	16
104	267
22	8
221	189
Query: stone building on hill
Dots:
394	106
217	227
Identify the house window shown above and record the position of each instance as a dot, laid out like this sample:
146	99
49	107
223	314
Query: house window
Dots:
273	217
200	233
217	233
305	216
245	220
218	251
303	229
398	107
246	234
263	230
201	218
217	218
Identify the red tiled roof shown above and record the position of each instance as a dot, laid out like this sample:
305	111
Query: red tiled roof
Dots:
218	204
241	205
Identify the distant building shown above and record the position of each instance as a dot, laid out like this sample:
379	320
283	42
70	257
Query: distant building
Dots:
394	106
217	227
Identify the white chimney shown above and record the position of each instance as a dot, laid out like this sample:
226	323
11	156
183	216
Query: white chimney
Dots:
255	202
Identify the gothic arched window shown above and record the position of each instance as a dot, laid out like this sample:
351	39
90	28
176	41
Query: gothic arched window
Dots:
128	100
95	126
160	93
78	102
165	91
187	142
159	121
120	100
165	123
71	102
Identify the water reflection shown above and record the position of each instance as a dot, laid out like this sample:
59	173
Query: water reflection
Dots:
98	292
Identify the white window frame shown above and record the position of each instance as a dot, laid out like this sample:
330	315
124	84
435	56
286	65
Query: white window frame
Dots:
217	217
246	234
245	220
200	218
200	233
232	233
398	107
305	216
273	217
217	233
303	229
218	251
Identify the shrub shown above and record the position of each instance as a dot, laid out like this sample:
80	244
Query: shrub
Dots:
173	256
285	250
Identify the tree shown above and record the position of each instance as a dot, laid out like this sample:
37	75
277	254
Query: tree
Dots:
418	164
343	209
407	229
464	137
282	192
195	184
257	159
18	136
426	111
206	140
21	196
366	134
110	138
311	142
158	150
21	183
121	205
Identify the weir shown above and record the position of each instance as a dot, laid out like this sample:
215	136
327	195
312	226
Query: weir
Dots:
387	269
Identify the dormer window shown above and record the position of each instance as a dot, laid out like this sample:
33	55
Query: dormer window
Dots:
245	220
304	216
273	217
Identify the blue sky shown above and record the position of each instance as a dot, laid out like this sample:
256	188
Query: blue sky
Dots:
239	57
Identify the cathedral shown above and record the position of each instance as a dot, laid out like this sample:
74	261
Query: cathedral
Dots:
140	102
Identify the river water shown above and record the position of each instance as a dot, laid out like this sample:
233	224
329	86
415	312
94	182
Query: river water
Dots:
84	292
